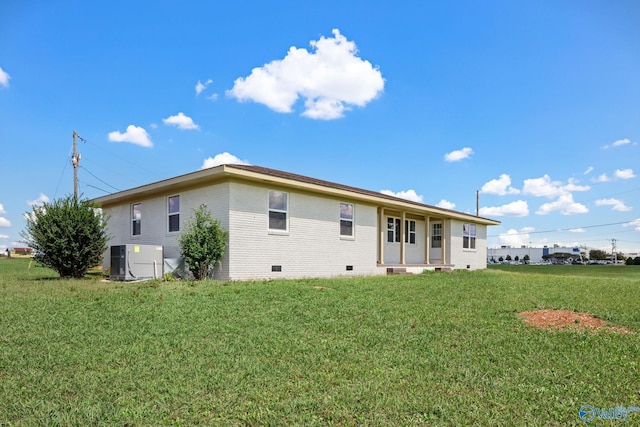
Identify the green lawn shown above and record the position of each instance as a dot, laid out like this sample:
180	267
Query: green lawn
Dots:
431	349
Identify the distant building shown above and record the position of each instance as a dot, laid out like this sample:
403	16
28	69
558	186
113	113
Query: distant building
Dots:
20	251
536	255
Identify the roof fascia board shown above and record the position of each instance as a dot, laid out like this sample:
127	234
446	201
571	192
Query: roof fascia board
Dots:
219	173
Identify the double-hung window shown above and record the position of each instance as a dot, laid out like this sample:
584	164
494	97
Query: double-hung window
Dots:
278	208
173	212
136	219
436	235
410	232
346	219
468	236
393	230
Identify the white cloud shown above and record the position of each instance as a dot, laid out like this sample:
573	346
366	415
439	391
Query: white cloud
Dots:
565	205
222	159
618	174
202	86
577	230
500	186
457	155
515	238
4	222
635	224
589	170
4	78
572	185
619	143
545	187
601	178
445	204
42	199
4	236
134	134
2	211
624	174
616	205
330	79
181	122
517	208
407	195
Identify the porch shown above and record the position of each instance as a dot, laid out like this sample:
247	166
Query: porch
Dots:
413	241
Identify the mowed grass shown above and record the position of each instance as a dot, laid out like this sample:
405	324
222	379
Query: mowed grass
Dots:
431	349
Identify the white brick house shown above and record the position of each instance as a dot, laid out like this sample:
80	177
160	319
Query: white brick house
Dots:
283	225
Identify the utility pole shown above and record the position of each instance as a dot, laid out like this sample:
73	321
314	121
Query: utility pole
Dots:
75	161
613	251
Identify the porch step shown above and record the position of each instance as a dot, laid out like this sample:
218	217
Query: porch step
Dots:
444	269
397	271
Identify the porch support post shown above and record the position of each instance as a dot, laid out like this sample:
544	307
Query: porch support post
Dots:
427	231
444	242
402	237
381	233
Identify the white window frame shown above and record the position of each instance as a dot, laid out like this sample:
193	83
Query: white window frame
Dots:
136	219
409	235
469	236
277	210
171	214
345	218
393	226
436	235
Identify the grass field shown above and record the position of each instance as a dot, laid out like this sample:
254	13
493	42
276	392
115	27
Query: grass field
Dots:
431	349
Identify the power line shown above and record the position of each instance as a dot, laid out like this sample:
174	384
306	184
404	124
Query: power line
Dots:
97	188
64	168
104	182
563	229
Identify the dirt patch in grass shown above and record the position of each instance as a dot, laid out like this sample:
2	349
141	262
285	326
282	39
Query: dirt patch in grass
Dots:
568	320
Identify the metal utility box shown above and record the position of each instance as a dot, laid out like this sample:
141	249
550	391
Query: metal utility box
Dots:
136	262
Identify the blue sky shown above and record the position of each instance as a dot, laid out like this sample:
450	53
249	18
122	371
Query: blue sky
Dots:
536	104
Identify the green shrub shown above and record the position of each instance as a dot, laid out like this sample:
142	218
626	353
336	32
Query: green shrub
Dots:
67	235
203	243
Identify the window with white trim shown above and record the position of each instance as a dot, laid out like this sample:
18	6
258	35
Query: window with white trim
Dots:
410	232
278	210
436	235
346	220
393	230
173	214
136	219
468	236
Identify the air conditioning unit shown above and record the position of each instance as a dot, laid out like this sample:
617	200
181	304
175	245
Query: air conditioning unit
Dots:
136	262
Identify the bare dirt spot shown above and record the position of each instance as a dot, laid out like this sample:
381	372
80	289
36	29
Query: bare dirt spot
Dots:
568	320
